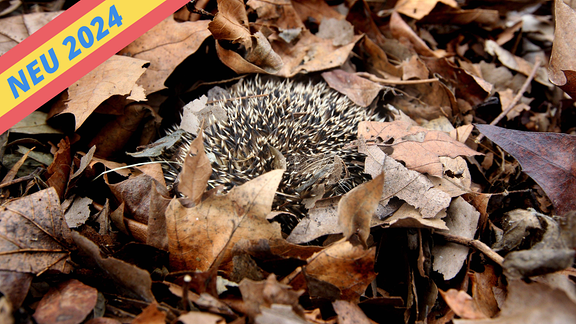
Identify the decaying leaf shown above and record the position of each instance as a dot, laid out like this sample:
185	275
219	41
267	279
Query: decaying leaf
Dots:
257	295
151	315
195	172
361	91
14	30
71	300
532	303
220	219
546	157
462	220
347	267
356	208
86	94
419	148
36	235
165	46
462	304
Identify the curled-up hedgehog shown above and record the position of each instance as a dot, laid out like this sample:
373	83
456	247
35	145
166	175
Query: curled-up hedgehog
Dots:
304	128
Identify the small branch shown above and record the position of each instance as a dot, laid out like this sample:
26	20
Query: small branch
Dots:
395	82
516	98
478	245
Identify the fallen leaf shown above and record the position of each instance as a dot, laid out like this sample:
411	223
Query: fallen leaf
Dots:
516	63
86	94
35	123
361	91
418	147
482	290
58	172
68	303
417	9
356	208
462	220
196	171
14	286
200	318
165	46
347	267
547	158
278	313
410	186
220	219
134	279
268	292
151	315
339	31
562	61
349	313
14	30
409	217
79	212
402	32
37	237
532	303
462	304
231	23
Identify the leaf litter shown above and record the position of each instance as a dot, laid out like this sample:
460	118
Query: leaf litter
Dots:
463	221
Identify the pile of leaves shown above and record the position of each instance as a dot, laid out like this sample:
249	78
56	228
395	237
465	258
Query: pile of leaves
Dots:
470	216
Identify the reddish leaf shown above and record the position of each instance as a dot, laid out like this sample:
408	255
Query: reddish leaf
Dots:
69	303
546	157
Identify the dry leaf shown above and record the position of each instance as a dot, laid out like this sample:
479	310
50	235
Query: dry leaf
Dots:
165	46
417	9
349	313
408	185
219	219
462	304
268	292
134	279
36	235
151	315
516	63
545	157
68	303
196	171
418	147
361	91
14	30
86	94
462	220
347	267
562	60
59	171
532	303
356	208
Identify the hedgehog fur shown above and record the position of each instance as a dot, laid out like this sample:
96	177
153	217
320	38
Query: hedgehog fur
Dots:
311	126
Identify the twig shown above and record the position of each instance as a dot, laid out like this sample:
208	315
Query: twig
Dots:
395	82
478	245
516	98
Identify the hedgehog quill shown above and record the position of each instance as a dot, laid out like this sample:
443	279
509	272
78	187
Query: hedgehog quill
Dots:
303	126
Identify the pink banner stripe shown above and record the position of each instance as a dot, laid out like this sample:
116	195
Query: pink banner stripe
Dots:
47	32
89	63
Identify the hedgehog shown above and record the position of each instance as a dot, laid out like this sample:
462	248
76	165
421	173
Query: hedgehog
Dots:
306	127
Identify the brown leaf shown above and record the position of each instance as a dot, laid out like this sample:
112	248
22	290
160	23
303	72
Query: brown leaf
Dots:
151	315
483	292
516	63
165	46
418	147
196	171
402	32
231	23
311	53
268	292
134	279
86	94
17	28
219	219
462	304
532	303
36	235
462	220
408	185
417	9
313	9
59	171
136	193
14	285
547	158
113	136
347	267
562	61
361	91
200	318
349	313
356	208
68	303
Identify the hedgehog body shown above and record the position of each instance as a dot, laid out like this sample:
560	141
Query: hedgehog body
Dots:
303	126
